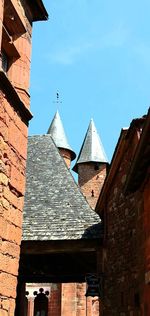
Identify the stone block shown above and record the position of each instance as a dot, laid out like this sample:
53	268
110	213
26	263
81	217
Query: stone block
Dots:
8	264
3	179
17	180
9	248
8	284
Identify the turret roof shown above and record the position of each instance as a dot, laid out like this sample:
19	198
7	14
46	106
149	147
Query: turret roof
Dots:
56	130
92	149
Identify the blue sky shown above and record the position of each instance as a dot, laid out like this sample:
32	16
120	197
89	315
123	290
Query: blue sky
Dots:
96	53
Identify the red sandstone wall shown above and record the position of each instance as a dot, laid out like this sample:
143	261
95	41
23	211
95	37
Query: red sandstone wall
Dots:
91	181
54	306
124	257
66	155
13	152
75	303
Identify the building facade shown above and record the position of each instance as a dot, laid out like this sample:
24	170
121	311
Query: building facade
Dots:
16	18
124	205
117	247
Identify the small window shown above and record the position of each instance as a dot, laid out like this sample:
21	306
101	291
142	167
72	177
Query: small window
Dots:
96	166
92	193
5	61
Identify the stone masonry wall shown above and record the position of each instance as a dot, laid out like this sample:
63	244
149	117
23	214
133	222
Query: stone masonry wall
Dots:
54	306
75	303
13	152
124	259
91	177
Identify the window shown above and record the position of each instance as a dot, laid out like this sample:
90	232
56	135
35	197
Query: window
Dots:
12	28
96	166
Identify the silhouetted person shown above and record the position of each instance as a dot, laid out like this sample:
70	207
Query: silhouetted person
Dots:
41	303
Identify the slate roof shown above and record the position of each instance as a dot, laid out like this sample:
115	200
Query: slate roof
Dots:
54	208
56	130
92	149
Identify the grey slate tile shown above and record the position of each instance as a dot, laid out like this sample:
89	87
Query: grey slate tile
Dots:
54	208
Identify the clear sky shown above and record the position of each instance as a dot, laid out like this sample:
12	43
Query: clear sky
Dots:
96	53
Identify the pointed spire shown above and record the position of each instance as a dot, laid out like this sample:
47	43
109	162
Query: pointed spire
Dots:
92	149
56	130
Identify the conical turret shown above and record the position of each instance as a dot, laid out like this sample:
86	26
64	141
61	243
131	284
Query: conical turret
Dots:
56	130
91	165
92	149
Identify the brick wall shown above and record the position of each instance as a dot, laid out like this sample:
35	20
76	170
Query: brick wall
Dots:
91	177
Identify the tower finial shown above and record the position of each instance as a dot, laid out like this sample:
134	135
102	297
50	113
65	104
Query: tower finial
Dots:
57	98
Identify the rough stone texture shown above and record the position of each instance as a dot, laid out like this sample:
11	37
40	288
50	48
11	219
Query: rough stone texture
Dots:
13	152
91	177
126	219
12	179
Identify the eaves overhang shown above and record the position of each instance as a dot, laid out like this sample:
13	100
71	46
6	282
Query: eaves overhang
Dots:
141	160
13	97
38	10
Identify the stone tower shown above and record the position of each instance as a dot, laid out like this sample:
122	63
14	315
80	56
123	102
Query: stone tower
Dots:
91	165
56	130
16	19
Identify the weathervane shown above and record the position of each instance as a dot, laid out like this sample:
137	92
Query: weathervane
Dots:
57	98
